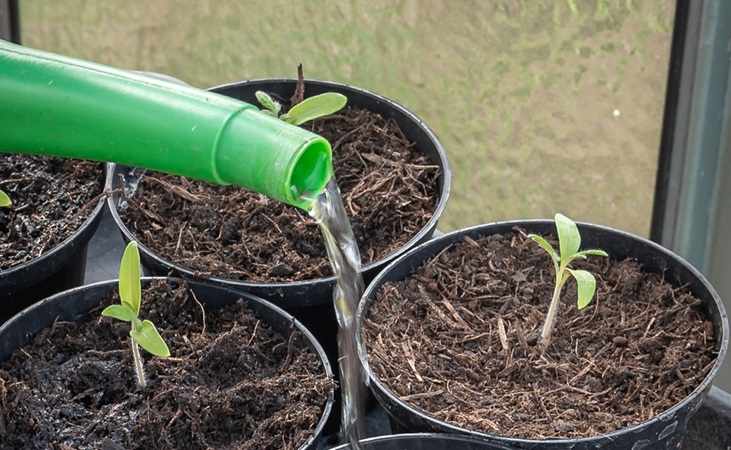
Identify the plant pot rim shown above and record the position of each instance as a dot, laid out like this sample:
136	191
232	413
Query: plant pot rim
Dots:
444	437
423	233
664	416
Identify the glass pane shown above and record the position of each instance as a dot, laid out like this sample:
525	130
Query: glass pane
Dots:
543	106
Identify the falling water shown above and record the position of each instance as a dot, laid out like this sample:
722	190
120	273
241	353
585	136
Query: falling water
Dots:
344	256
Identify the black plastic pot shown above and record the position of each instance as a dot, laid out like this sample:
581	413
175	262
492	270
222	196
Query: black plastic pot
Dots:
72	304
311	301
426	441
664	431
57	270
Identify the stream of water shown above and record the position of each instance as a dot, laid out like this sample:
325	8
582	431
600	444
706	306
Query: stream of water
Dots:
344	256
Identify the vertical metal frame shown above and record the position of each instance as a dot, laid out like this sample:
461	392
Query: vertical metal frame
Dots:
695	132
692	209
669	173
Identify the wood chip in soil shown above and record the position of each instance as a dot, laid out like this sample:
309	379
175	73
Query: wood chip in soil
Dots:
458	341
52	198
231	383
389	190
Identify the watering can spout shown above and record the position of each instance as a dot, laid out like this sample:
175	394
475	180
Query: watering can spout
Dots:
60	106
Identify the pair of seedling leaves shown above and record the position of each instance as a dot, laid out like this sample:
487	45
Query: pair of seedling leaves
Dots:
308	109
142	332
569	242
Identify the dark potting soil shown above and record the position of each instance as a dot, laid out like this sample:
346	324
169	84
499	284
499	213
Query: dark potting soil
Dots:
52	198
458	341
389	190
231	383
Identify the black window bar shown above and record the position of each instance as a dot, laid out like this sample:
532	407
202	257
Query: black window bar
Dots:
10	21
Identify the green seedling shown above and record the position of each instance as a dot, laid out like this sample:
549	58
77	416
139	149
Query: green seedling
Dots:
569	241
308	109
4	199
143	332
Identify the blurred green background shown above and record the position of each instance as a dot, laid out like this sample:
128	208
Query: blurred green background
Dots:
542	106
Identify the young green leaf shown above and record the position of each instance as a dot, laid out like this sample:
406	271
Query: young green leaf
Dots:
4	199
585	287
148	338
595	252
121	312
569	239
272	107
287	118
546	246
130	289
317	106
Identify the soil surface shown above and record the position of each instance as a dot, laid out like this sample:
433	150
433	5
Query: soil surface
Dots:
52	198
458	340
231	383
389	190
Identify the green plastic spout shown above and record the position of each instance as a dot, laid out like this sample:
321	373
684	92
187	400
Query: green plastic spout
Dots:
60	106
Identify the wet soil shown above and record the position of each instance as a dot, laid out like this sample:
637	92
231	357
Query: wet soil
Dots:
458	340
52	198
389	190
231	383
